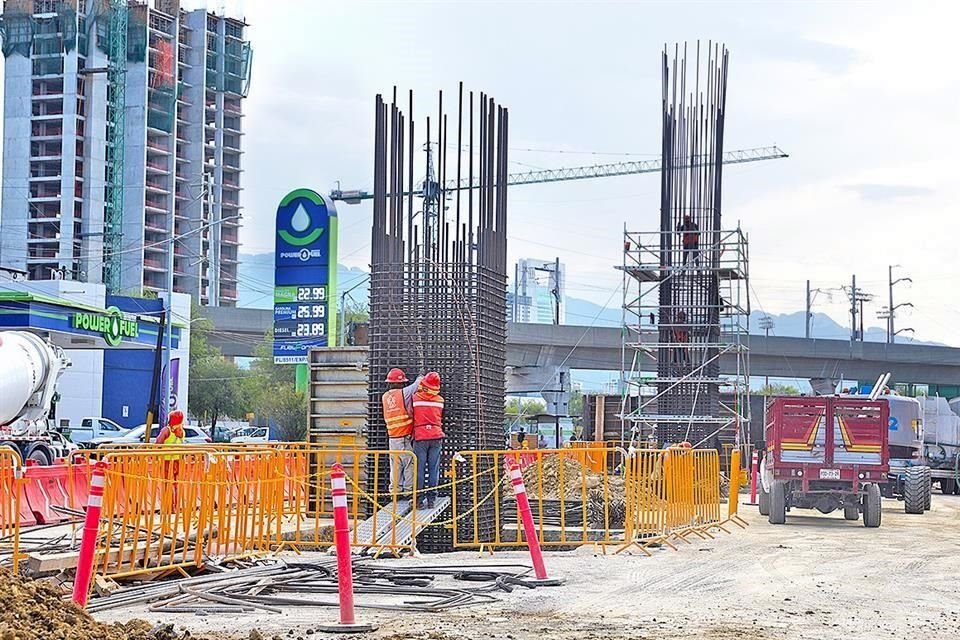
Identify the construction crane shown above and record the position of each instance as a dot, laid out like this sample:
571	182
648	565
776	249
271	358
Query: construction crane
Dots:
116	88
432	192
586	172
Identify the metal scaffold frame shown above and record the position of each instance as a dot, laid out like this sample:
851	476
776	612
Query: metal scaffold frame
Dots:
692	352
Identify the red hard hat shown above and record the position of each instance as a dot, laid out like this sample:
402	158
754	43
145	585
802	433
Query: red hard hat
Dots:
396	375
175	418
432	381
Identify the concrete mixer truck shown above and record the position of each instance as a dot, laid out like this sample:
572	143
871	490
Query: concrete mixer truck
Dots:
29	370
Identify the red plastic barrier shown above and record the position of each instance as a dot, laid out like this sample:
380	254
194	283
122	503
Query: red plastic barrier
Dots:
44	488
78	485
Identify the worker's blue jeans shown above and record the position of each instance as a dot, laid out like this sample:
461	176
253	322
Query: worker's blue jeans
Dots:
428	467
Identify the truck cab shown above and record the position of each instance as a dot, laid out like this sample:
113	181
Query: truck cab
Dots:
93	428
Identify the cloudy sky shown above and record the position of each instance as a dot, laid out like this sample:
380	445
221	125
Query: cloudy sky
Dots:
863	96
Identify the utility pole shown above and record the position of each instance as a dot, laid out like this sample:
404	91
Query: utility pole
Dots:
806	317
853	308
857	297
556	291
892	308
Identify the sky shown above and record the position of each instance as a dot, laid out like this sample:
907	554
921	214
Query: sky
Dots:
862	95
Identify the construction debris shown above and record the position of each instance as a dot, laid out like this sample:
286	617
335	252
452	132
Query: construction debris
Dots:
268	586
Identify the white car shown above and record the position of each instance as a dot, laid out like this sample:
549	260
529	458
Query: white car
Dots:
192	435
250	434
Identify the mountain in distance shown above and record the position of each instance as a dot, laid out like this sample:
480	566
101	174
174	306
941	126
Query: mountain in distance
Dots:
255	291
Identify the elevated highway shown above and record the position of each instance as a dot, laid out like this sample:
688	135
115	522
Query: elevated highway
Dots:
536	352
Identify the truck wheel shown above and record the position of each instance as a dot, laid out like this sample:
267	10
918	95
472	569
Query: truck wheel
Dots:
40	455
871	506
764	502
913	490
851	512
948	486
778	503
927	488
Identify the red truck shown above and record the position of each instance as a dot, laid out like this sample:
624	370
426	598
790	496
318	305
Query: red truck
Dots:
824	453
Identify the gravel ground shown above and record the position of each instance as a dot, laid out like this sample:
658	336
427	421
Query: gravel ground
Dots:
817	577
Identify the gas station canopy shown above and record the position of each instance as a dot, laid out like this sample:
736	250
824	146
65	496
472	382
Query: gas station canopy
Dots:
77	326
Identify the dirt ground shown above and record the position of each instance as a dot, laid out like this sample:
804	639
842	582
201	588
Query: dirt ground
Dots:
817	577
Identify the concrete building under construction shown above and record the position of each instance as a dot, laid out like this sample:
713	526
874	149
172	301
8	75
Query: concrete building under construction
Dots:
176	132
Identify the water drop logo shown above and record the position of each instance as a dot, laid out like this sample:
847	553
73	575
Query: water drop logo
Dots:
302	215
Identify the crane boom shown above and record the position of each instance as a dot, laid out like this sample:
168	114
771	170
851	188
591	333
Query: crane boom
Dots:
586	172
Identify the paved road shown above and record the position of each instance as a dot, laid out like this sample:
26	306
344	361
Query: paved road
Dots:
817	577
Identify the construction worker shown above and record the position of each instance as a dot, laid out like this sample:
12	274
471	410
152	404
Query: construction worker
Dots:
428	437
690	239
173	433
398	415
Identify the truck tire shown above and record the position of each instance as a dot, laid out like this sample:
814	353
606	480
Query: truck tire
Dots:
851	512
778	503
928	488
40	454
763	501
948	486
871	506
913	490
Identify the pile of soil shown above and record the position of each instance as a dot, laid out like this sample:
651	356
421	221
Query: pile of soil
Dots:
546	478
606	505
37	610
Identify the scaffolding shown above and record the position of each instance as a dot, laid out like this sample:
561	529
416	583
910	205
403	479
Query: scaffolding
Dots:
685	319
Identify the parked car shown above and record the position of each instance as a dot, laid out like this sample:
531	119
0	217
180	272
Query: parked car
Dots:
62	447
192	435
250	434
91	429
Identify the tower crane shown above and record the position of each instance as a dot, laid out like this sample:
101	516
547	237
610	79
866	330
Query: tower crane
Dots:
586	172
433	192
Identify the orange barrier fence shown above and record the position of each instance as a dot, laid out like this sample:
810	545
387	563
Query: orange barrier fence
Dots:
571	504
657	496
176	509
10	515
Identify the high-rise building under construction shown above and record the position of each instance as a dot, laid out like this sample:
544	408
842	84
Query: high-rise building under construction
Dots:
177	136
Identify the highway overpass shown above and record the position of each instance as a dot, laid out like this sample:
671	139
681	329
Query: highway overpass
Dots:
536	351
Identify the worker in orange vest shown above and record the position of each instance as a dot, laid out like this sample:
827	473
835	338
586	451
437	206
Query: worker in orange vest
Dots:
398	416
428	437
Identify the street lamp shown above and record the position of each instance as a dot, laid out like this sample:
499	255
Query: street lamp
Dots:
343	311
168	320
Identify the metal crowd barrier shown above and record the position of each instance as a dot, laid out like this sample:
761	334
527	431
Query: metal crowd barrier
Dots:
571	504
12	491
656	496
177	508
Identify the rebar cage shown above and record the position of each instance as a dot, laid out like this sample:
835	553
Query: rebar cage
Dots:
438	279
686	292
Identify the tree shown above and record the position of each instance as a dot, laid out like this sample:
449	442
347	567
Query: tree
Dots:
575	408
523	408
779	390
270	390
215	390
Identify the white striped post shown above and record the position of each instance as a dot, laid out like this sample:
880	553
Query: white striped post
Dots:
529	530
91	530
341	539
